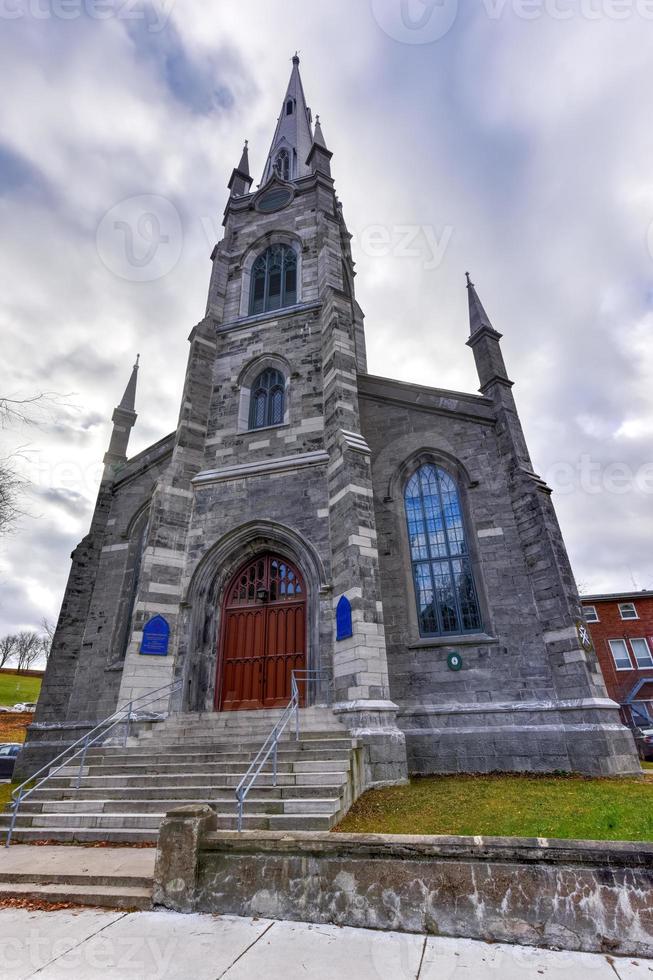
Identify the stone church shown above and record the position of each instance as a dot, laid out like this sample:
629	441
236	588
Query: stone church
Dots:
389	542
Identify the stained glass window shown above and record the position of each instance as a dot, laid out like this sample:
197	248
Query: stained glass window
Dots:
442	571
267	400
274	280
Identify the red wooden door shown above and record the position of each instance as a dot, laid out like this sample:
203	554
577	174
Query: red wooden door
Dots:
263	637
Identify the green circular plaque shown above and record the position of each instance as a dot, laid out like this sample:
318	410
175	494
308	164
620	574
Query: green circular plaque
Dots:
455	661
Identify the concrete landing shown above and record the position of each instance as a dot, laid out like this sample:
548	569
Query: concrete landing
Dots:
111	877
96	945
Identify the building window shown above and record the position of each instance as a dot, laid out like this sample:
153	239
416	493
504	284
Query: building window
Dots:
289	107
267	400
274	280
591	614
442	570
282	164
642	653
620	654
627	610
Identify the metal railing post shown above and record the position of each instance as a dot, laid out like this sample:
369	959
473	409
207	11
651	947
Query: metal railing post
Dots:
14	815
274	762
129	723
81	764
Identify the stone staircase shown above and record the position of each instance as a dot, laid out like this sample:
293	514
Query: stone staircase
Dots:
126	791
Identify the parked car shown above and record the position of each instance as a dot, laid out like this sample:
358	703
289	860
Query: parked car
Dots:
23	706
8	754
644	742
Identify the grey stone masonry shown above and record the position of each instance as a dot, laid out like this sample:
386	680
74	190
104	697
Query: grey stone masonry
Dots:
323	489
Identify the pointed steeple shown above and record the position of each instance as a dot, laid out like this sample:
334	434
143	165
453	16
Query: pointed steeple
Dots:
293	136
318	135
241	180
485	341
319	159
123	418
478	318
129	398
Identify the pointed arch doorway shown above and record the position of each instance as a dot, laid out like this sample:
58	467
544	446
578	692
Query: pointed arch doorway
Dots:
263	635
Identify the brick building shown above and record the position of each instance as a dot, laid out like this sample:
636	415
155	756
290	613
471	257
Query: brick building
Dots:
621	625
390	538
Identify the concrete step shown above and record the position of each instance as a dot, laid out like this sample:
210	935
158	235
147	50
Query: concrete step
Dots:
101	896
232	754
79	835
137	829
253	740
206	768
254	804
174	792
228	779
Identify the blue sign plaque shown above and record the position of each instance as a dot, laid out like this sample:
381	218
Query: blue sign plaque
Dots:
156	635
344	627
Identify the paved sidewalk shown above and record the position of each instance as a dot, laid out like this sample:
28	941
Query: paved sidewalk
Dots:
26	859
97	945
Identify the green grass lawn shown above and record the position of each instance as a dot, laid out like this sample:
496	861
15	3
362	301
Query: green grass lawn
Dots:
510	806
5	794
14	688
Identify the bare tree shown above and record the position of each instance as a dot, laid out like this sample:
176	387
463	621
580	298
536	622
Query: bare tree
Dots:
12	486
7	649
28	649
47	636
17	412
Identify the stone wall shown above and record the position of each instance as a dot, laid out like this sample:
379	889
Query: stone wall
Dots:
576	895
507	709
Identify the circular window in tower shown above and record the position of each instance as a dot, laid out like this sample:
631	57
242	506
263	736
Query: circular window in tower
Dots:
274	200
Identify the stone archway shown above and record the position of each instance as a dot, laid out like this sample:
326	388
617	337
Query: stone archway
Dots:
263	635
203	606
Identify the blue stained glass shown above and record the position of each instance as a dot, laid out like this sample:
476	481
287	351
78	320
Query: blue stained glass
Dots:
444	582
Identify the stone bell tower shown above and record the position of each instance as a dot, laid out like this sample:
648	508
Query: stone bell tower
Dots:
268	454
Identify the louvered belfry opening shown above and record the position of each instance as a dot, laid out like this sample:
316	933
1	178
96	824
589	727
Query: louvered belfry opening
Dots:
263	635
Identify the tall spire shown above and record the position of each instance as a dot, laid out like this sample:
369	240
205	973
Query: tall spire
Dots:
478	318
124	418
485	341
293	136
129	398
241	181
243	166
319	159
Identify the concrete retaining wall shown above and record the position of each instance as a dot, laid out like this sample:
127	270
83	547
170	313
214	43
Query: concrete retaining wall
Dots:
577	895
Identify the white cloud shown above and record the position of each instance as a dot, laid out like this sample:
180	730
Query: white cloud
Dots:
529	140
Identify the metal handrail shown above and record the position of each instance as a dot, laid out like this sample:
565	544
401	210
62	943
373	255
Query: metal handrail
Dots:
270	746
126	713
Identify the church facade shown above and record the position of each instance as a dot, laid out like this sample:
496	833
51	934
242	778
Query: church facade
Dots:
388	542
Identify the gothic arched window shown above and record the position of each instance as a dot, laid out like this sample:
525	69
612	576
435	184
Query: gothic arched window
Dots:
266	405
442	570
282	164
274	280
289	107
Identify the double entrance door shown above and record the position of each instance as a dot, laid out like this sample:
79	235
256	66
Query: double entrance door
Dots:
263	635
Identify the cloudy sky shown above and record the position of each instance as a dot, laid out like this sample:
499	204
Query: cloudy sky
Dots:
512	138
